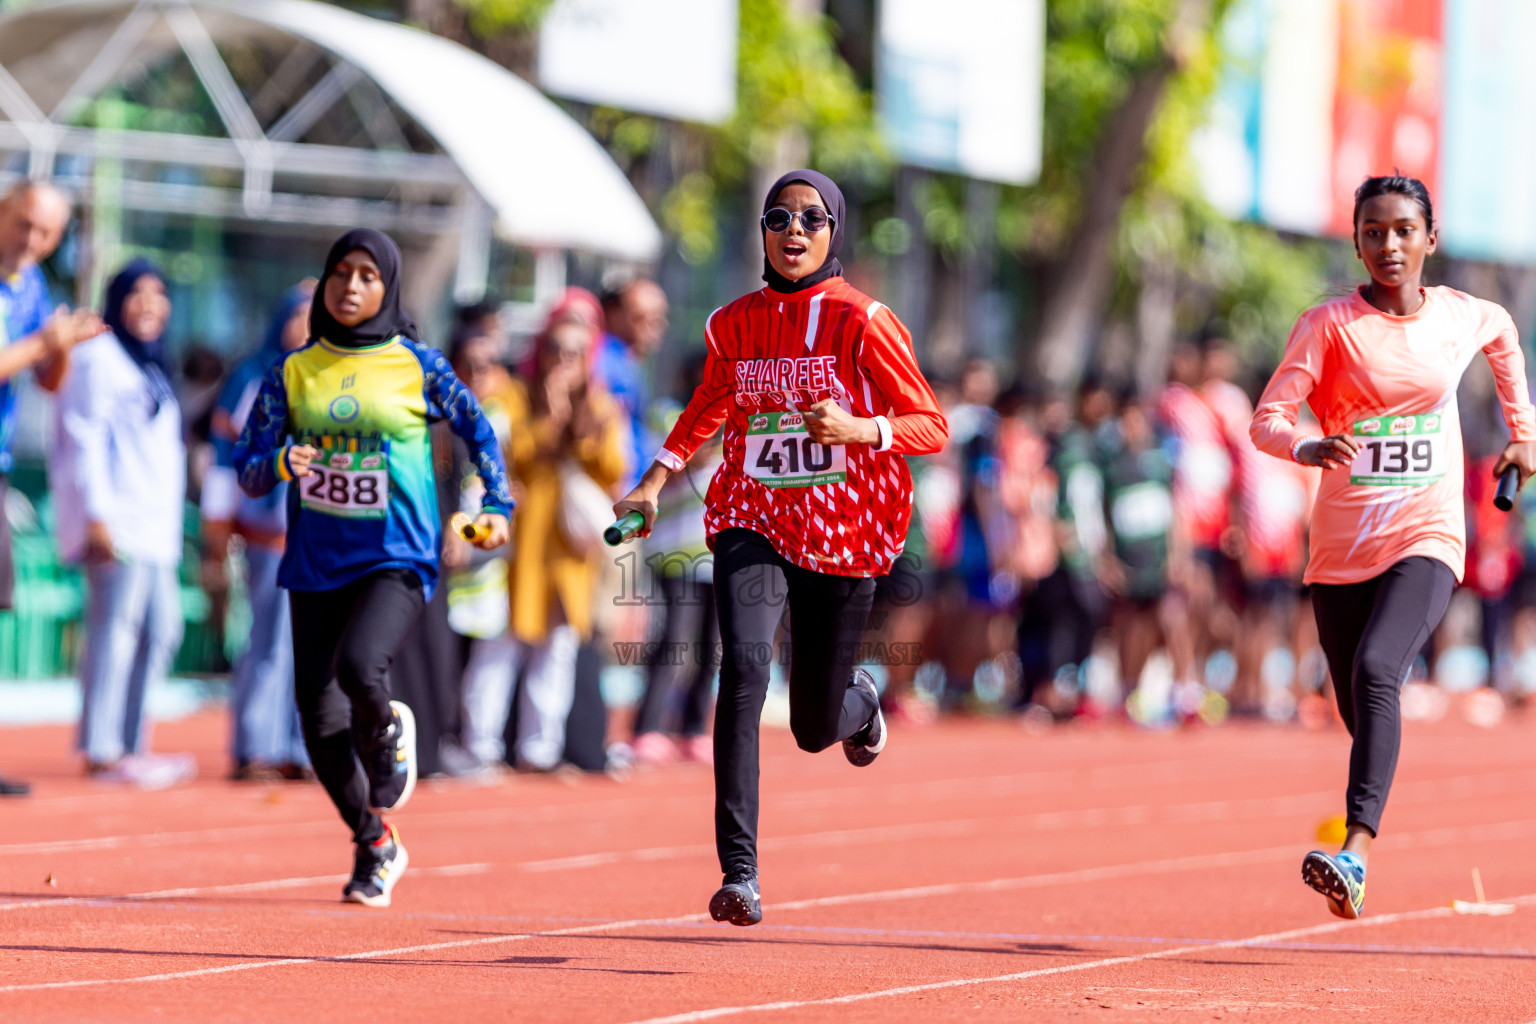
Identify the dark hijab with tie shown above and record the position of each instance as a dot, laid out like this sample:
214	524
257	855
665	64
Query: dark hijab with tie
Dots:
390	320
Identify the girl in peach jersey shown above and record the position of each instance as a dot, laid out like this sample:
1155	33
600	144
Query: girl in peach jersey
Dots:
1380	368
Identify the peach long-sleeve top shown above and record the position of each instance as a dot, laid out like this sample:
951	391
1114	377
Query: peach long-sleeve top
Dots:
1390	382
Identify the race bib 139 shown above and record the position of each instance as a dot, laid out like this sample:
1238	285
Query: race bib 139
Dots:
1399	451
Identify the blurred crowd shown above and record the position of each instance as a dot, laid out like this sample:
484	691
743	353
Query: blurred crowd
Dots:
1103	554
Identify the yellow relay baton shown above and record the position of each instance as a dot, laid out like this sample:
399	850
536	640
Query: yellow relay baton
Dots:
467	528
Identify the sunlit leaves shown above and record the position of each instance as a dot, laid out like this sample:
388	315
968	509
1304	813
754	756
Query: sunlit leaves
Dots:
490	17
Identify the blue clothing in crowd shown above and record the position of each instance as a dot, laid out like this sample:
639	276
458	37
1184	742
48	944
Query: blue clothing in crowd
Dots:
24	308
621	372
265	517
262	705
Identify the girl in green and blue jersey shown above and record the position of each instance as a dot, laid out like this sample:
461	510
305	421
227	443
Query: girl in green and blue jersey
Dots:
346	419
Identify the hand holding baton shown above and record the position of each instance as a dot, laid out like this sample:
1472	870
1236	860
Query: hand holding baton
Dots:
1509	483
626	527
467	528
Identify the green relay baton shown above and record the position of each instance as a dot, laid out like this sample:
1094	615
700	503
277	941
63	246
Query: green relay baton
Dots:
627	526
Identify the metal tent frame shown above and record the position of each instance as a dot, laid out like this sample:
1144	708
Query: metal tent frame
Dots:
439	153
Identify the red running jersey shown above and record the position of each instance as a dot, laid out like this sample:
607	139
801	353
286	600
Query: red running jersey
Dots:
837	509
1202	468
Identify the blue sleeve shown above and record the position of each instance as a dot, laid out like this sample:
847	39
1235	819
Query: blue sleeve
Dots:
260	456
33	305
221	432
448	398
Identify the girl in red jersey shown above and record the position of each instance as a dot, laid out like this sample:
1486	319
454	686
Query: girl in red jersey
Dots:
1380	368
821	397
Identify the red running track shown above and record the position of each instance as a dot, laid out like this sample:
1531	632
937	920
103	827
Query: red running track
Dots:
974	873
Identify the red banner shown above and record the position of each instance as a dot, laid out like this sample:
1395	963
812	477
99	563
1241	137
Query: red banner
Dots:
1386	114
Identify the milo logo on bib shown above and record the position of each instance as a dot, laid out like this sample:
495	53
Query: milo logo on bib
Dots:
1399	451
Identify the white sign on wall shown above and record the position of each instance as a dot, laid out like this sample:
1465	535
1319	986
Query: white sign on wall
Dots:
672	58
963	90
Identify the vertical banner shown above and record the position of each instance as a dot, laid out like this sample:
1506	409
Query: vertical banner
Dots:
1317	95
1296	121
1226	147
1387	104
1487	136
1266	150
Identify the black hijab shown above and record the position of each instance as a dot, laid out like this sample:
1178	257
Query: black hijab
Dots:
148	354
390	320
832	197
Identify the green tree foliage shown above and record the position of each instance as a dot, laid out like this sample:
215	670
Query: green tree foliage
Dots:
492	17
1245	276
793	85
790	79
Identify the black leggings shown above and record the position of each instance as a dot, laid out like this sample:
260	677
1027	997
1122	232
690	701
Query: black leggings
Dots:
1370	632
343	643
827	615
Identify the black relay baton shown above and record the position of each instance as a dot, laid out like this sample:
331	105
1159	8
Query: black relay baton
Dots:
627	526
1509	483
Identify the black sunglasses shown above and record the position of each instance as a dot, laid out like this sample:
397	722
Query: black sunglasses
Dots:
812	219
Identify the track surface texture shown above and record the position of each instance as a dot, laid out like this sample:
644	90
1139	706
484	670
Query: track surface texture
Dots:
975	872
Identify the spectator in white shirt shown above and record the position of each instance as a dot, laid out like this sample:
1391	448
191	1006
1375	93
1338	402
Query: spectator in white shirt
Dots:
119	483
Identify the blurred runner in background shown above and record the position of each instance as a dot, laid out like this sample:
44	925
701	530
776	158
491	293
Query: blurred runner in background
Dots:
1202	483
1138	504
1071	603
268	742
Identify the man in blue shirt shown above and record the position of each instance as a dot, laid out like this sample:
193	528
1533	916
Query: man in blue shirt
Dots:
33	217
635	315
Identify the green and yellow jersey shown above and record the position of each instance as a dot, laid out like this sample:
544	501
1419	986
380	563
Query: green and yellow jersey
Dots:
370	501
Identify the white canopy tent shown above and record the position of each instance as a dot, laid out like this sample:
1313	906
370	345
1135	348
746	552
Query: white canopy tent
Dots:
441	142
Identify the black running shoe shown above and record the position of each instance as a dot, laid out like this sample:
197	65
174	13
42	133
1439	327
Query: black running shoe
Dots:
375	871
738	901
14	787
864	746
391	762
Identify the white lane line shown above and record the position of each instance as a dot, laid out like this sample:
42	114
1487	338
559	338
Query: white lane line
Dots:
372	954
1087	965
1084	776
1134	814
1449	836
1508	830
303	882
907	893
900	793
234	832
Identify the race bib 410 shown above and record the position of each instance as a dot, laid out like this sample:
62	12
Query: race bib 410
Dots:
350	484
1399	451
780	453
